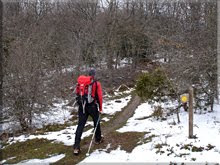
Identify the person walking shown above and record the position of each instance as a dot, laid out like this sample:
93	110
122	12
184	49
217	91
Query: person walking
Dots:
90	104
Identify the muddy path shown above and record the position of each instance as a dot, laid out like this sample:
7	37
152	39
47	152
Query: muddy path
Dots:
120	119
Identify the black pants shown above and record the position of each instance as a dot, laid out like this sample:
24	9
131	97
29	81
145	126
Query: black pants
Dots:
91	110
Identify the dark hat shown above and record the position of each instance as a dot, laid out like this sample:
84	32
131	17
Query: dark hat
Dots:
92	72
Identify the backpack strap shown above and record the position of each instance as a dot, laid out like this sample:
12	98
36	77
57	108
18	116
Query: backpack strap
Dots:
94	84
96	92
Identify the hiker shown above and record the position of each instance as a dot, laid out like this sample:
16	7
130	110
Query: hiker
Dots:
92	106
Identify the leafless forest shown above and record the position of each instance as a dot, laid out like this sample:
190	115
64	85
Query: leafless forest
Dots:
46	44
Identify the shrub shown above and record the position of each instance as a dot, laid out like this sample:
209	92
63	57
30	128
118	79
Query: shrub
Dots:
154	86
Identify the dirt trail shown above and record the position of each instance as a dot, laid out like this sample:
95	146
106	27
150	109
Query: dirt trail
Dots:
122	117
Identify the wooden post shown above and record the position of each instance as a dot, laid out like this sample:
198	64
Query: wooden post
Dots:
190	112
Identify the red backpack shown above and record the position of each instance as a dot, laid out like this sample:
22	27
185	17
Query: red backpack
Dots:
82	86
84	90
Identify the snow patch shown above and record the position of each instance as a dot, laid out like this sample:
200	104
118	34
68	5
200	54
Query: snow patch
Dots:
52	159
170	136
58	114
113	106
66	136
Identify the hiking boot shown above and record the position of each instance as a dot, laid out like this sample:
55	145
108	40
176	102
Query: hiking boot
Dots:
100	141
76	151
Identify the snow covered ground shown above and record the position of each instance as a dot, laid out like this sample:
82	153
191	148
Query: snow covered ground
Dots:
65	136
49	160
60	115
113	106
171	140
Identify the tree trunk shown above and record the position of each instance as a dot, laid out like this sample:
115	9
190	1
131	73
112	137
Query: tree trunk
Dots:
218	48
1	57
117	62
110	65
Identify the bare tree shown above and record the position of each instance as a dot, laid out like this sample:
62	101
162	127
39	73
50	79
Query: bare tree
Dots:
43	38
218	49
26	85
1	58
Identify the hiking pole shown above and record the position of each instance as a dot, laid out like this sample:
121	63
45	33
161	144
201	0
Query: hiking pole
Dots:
87	154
